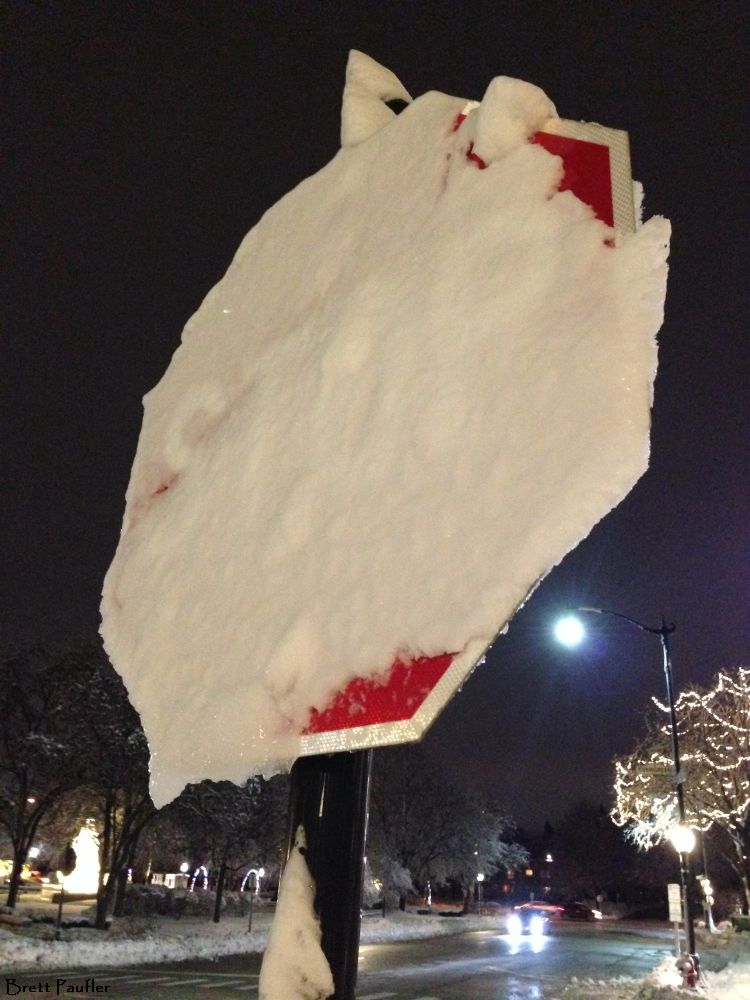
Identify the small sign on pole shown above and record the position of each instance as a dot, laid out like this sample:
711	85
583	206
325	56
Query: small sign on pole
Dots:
674	899
675	903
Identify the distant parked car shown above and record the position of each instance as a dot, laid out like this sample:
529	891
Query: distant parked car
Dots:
529	919
579	911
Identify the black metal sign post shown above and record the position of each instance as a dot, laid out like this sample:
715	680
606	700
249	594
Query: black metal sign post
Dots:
66	866
58	925
329	797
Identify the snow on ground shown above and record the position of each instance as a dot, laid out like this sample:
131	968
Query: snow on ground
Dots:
664	983
726	976
411	363
144	940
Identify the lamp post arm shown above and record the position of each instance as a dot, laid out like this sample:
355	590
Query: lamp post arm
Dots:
663	630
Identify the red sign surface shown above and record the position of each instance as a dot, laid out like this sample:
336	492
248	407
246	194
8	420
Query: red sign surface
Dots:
587	171
365	702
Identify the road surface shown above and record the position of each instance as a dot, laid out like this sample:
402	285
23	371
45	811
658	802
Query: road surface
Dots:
477	965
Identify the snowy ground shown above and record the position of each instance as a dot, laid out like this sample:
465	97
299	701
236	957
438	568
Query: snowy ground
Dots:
146	939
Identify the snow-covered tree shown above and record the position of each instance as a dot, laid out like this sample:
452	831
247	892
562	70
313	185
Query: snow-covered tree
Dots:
424	825
235	824
61	824
591	856
39	762
112	748
162	847
714	734
71	741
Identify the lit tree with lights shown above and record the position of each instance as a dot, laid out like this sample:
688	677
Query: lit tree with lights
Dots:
714	733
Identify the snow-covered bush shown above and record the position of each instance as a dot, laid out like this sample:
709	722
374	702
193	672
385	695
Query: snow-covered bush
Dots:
157	900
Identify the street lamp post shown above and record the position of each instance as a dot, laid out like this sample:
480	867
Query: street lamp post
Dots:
480	879
569	633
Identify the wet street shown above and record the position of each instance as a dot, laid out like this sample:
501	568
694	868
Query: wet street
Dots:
487	966
478	965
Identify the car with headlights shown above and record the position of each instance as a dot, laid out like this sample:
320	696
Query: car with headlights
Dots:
541	904
579	911
528	919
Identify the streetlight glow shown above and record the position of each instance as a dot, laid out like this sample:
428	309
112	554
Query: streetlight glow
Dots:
569	630
682	838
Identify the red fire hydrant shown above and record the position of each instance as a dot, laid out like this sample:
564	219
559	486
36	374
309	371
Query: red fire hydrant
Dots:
688	966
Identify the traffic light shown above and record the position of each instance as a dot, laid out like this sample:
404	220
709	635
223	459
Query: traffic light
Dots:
708	889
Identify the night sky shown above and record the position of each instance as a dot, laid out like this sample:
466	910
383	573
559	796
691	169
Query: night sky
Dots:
144	140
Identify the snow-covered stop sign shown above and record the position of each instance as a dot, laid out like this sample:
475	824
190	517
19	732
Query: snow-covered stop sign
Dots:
425	376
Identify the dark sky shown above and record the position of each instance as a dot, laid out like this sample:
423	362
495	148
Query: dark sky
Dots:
144	140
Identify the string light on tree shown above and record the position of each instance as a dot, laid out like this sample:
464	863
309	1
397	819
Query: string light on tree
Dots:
714	729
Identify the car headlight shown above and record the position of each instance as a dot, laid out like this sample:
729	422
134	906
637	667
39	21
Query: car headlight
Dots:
536	925
514	924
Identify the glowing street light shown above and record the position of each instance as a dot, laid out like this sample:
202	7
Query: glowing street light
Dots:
682	838
570	631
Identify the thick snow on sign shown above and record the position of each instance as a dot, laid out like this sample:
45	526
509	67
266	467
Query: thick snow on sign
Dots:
418	386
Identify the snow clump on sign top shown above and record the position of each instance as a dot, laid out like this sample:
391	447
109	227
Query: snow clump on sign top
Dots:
417	387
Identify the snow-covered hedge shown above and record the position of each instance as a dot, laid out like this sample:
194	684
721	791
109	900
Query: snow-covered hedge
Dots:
157	900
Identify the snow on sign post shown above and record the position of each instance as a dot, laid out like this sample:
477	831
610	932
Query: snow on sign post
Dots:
425	376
